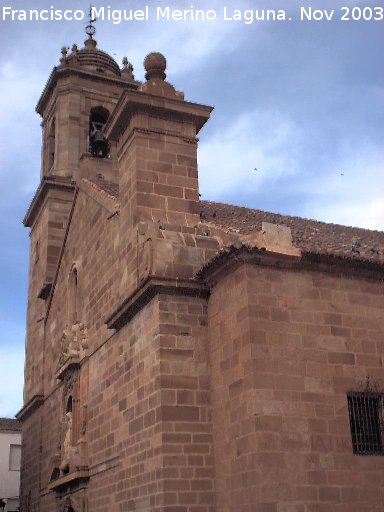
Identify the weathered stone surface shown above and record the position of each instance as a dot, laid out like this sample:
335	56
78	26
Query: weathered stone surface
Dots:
178	363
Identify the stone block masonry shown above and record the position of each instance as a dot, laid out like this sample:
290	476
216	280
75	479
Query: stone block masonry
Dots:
183	355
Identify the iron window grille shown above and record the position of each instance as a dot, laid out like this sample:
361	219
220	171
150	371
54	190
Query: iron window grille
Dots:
366	421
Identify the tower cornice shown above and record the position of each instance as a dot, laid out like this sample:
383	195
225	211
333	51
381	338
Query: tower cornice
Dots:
48	184
132	101
59	73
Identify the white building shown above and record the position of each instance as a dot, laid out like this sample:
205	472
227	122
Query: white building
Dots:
10	449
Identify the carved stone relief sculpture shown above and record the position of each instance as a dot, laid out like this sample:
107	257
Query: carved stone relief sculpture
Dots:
75	503
73	343
73	441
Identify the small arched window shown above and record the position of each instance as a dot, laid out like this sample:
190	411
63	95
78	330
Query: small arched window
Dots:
73	300
55	474
69	405
98	144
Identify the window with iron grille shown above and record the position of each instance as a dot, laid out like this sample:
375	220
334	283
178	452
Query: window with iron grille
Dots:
366	421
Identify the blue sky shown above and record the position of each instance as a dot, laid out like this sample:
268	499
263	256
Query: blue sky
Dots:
301	101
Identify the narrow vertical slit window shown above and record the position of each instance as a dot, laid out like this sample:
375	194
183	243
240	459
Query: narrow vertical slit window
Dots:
37	251
72	296
51	144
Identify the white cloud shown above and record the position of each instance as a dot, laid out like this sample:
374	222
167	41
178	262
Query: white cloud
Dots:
12	347
22	135
18	93
11	379
350	192
264	140
368	214
186	44
340	183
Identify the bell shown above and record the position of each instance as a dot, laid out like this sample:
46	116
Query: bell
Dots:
99	144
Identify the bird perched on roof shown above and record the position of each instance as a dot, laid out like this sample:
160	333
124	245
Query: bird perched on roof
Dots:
356	248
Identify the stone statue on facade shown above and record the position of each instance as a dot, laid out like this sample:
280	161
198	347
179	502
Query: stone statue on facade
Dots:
73	343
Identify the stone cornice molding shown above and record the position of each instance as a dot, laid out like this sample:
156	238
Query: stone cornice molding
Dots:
151	287
132	102
32	405
49	183
231	258
72	479
59	73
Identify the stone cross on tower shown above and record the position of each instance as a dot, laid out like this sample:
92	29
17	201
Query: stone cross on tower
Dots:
90	29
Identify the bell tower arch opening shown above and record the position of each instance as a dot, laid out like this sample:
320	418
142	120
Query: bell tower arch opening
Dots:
98	144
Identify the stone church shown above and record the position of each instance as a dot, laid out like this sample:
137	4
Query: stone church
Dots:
184	355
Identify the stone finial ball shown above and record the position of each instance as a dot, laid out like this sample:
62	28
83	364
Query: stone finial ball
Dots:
154	65
156	61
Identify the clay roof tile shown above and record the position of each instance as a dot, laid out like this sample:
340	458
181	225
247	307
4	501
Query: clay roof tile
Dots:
309	235
9	425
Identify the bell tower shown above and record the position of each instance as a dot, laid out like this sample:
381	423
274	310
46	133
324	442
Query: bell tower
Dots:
100	259
75	104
